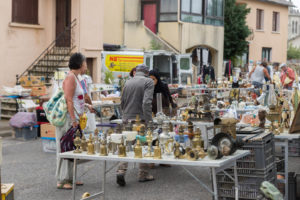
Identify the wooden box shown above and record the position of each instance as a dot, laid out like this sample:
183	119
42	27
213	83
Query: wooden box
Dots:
48	131
7	191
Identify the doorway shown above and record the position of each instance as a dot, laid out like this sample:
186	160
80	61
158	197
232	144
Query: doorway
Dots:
63	20
149	14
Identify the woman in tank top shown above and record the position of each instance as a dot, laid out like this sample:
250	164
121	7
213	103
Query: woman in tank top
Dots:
258	74
74	95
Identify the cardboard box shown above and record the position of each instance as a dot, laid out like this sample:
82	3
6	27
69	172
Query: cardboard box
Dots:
25	81
30	81
38	91
37	81
7	191
48	131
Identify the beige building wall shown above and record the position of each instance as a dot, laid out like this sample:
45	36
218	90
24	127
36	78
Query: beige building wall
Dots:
21	44
89	34
177	36
266	38
114	22
187	36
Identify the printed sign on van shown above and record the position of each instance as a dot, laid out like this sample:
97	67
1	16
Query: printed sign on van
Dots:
122	63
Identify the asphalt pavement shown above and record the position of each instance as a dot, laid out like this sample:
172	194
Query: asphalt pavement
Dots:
33	173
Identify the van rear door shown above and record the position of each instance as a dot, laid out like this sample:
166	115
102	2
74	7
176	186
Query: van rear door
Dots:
185	68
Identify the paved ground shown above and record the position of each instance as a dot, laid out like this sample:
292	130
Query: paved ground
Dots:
33	172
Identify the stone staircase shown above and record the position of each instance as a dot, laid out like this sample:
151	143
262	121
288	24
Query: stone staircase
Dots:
46	66
55	56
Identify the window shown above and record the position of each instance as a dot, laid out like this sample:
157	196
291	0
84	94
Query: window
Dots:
259	19
192	10
168	10
296	27
293	24
266	54
214	12
148	61
25	11
276	22
184	63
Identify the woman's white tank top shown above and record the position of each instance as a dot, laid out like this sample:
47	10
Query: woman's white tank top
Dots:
78	98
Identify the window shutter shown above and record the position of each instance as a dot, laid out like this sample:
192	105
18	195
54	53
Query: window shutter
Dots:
278	21
274	22
25	11
262	20
257	19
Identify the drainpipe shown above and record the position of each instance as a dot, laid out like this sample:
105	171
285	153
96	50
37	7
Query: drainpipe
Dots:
79	29
180	24
124	23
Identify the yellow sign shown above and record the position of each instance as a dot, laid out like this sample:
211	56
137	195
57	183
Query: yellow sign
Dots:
122	63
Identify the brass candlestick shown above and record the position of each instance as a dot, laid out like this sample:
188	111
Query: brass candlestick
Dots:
96	143
149	141
103	148
190	130
83	146
201	152
176	150
122	149
138	149
273	116
197	140
77	142
91	150
157	151
136	126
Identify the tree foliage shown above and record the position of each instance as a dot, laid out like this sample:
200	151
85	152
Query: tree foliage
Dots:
293	52
235	29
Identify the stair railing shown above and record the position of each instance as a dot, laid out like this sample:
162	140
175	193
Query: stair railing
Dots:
66	36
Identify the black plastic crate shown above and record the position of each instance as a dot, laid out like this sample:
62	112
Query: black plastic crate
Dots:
293	151
294	143
248	189
257	139
262	150
280	164
27	133
262	158
248	172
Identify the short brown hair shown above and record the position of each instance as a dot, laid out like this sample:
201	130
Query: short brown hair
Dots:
264	63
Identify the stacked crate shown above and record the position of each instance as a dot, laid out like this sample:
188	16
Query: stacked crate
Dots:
294	148
252	170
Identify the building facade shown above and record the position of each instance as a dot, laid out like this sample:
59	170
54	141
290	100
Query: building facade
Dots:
181	26
268	21
27	28
294	27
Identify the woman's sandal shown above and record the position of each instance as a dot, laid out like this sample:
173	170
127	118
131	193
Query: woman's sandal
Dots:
64	186
78	183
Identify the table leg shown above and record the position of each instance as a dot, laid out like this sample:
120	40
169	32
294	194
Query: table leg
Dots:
215	183
286	168
74	178
104	178
236	182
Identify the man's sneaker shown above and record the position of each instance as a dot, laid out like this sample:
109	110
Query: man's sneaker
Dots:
121	180
146	178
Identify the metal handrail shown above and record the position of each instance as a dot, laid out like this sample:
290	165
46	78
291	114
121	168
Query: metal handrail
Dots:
49	48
